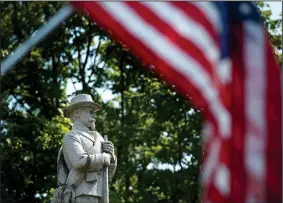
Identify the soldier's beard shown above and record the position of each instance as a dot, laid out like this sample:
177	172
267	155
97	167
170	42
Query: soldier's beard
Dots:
92	126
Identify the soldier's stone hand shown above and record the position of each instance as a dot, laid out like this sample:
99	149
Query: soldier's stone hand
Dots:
108	147
106	159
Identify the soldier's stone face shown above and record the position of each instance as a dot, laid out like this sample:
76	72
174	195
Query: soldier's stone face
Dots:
87	117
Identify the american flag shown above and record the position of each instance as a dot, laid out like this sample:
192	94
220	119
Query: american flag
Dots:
219	54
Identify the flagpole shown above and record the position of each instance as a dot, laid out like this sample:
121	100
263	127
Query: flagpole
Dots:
10	61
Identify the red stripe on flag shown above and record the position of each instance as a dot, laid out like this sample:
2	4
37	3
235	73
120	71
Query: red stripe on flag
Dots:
214	195
238	175
274	129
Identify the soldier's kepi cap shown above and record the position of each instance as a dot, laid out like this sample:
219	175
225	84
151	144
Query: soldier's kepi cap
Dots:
81	100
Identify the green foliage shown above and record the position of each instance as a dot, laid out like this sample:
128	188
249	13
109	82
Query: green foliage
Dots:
274	26
156	132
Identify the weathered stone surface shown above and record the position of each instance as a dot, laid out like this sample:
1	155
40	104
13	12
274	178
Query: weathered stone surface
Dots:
82	156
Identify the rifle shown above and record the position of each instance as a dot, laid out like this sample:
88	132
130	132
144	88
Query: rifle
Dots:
105	180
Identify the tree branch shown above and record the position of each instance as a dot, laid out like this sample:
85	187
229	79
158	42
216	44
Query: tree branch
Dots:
88	46
81	68
94	60
73	84
98	76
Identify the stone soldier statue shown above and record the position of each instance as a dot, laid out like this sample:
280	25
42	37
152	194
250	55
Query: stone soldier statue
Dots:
82	156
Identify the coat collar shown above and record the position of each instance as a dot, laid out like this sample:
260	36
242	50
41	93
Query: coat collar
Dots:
85	134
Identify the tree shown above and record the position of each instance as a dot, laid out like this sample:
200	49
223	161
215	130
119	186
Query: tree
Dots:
157	132
274	28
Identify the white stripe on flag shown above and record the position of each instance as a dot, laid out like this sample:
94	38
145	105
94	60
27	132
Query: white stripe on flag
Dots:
209	9
222	180
174	56
186	27
212	160
208	131
224	70
255	107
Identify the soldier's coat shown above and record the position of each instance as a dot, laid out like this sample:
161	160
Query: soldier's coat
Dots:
82	154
